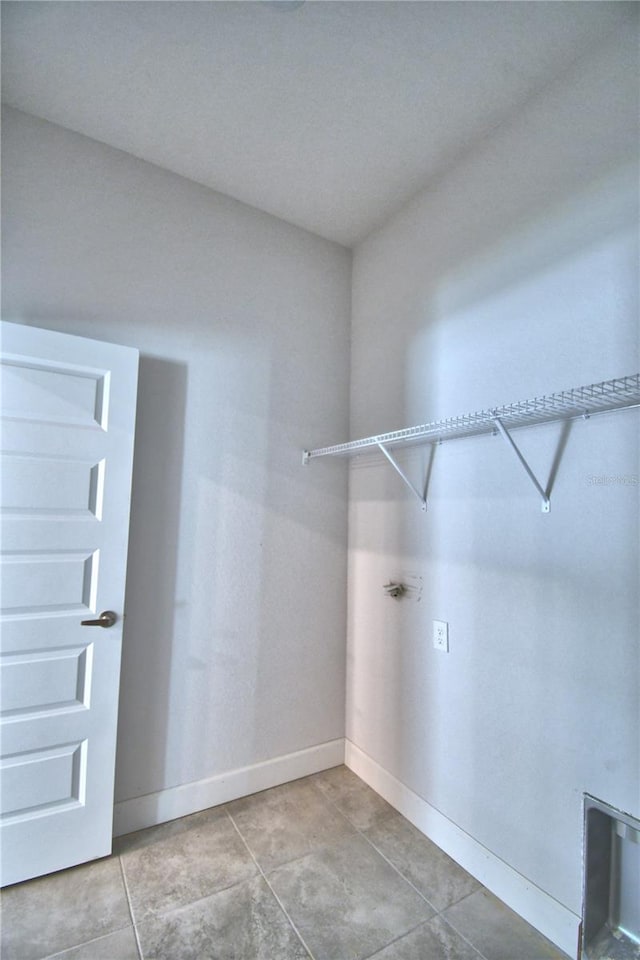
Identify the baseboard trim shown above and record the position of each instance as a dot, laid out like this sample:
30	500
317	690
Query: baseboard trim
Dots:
180	801
547	915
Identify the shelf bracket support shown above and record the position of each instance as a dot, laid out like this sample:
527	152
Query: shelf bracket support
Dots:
546	503
396	466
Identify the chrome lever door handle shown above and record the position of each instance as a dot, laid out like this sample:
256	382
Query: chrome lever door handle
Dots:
106	619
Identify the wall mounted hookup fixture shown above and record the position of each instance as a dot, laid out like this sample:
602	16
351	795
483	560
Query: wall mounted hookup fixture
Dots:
395	590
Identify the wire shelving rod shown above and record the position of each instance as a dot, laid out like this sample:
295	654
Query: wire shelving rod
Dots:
586	401
580	402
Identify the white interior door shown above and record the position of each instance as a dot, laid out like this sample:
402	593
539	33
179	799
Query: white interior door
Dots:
67	421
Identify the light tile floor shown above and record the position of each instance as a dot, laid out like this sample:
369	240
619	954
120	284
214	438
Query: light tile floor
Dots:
321	868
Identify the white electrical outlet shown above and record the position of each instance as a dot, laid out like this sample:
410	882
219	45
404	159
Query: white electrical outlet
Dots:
441	635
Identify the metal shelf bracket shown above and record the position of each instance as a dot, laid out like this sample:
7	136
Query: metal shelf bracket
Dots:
622	393
396	466
546	503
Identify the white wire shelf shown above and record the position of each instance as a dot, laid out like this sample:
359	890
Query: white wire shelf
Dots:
580	402
568	405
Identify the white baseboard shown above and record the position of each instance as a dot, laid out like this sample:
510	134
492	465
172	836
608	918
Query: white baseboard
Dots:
154	808
547	915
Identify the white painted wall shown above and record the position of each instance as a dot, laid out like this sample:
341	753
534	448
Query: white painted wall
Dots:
515	275
234	642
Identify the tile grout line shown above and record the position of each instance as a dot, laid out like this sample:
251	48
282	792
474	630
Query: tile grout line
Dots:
102	936
167	912
130	905
275	895
437	913
61	954
459	933
424	923
401	936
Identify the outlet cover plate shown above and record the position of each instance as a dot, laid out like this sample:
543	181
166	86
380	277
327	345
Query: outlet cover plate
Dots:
441	635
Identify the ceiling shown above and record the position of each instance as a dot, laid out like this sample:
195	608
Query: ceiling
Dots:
330	115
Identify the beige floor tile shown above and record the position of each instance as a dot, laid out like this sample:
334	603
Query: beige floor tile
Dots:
433	940
116	946
497	932
241	923
164	831
347	901
288	822
171	866
439	878
50	914
359	803
358	881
